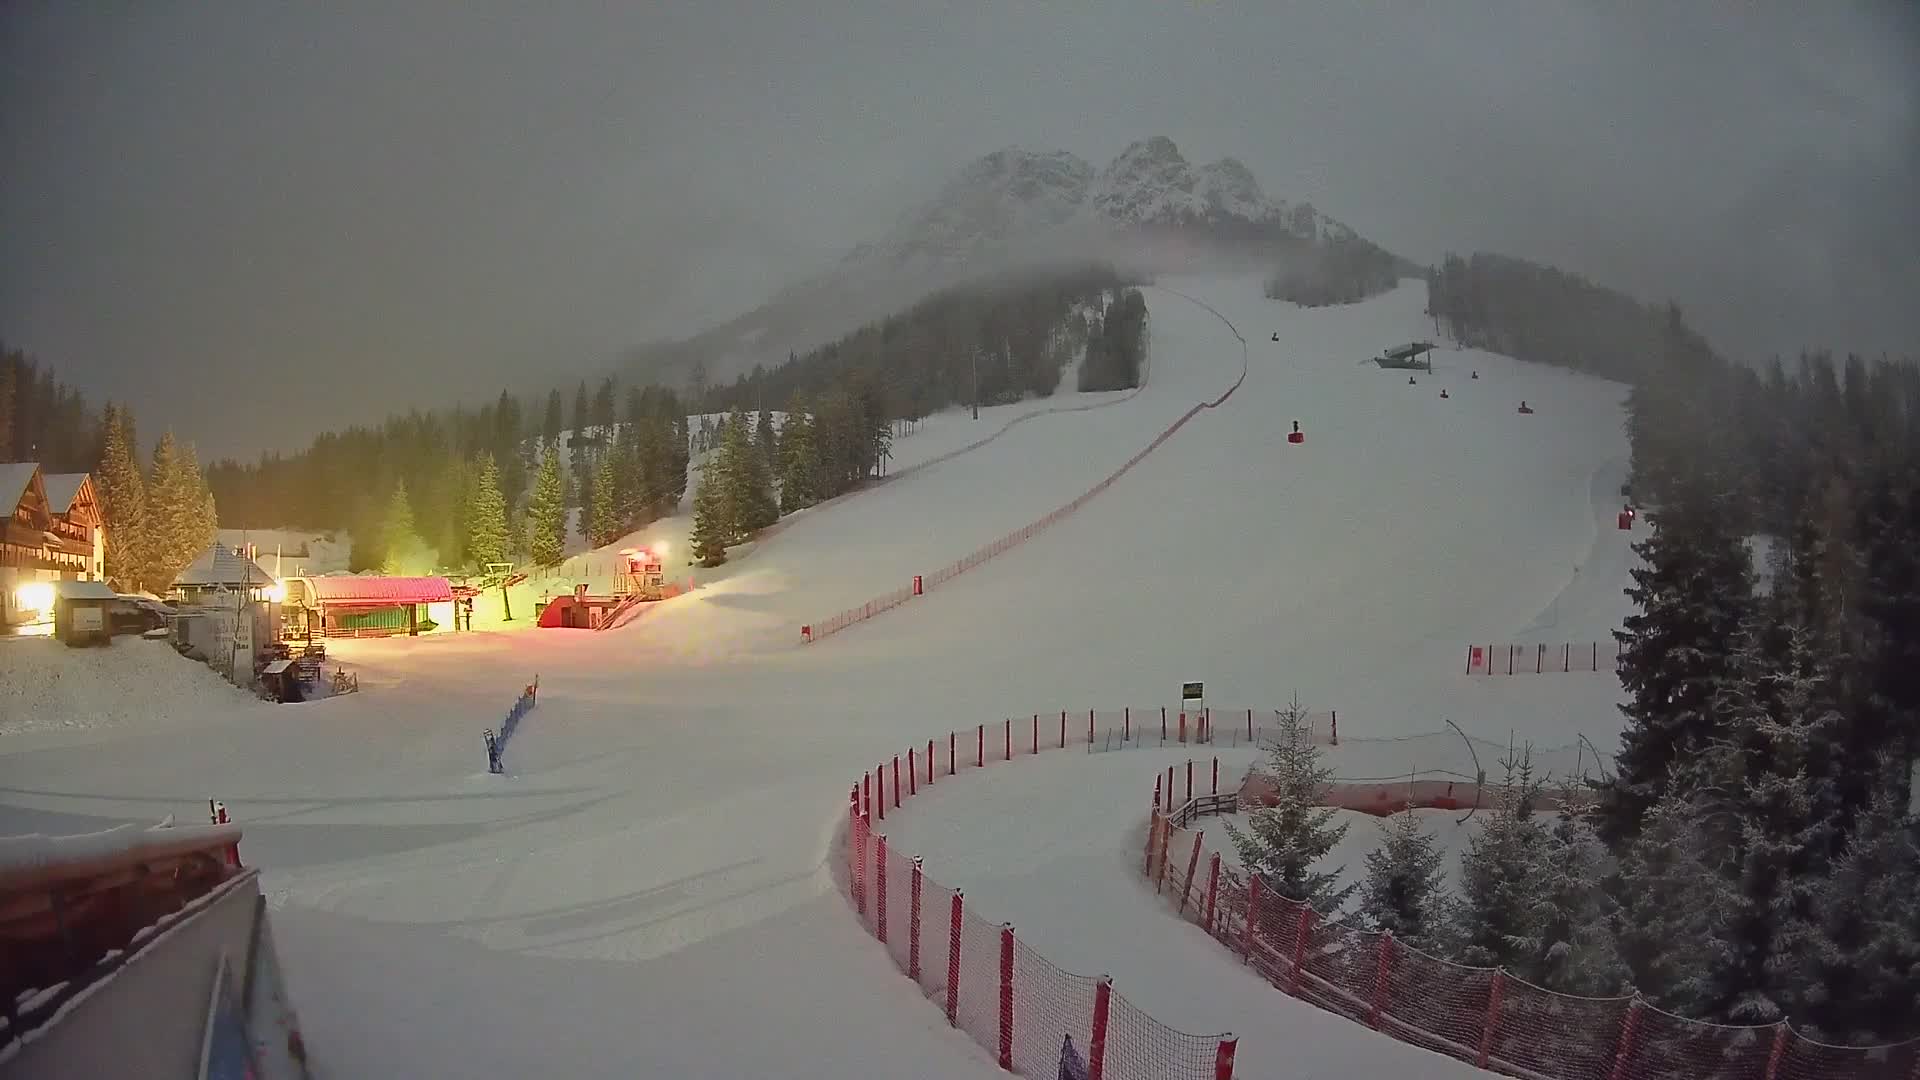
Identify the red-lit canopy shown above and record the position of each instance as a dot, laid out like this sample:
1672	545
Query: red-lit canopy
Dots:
350	591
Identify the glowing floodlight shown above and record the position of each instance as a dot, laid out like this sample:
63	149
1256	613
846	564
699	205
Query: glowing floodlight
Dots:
35	595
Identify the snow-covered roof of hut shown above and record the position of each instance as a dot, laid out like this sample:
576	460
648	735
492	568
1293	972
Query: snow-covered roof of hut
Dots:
221	565
62	488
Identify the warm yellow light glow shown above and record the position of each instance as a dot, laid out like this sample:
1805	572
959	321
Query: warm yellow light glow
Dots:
34	595
277	593
660	550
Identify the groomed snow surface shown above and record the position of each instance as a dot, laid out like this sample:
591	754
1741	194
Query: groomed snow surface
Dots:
647	891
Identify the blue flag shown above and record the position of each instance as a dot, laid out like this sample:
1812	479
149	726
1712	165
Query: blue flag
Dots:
1072	1066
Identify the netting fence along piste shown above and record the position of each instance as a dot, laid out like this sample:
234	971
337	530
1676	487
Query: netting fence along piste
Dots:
1034	1018
886	602
1480	1015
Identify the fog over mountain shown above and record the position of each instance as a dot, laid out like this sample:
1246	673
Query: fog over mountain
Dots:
260	222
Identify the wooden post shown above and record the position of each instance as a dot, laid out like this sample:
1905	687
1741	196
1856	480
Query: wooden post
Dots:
1009	737
953	759
913	774
880	789
1193	867
980	747
1213	888
896	781
1216	774
1036	733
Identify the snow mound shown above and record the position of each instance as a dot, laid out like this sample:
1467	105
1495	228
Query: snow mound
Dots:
136	685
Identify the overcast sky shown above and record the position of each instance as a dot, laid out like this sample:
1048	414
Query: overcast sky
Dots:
257	220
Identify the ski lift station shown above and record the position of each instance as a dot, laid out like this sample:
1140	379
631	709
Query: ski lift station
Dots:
1413	356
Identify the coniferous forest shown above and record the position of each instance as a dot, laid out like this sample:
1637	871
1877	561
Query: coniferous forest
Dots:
1752	855
605	461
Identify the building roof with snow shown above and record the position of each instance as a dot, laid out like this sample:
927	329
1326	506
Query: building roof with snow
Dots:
14	478
221	566
354	590
61	489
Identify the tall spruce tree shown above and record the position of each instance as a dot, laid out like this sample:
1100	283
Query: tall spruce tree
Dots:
1405	890
766	441
1675	899
750	479
1285	842
799	461
179	512
605	528
1867	974
1694	591
123	493
1505	898
404	551
487	538
553	422
1580	943
711	526
547	512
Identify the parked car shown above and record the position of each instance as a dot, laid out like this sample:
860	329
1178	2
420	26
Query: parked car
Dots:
137	614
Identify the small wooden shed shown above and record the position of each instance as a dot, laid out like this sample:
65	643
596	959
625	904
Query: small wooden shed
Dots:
80	615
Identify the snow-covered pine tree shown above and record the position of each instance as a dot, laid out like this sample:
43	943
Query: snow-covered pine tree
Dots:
1676	902
174	509
765	440
547	512
1582	952
487	539
1505	882
604	529
758	508
1693	591
405	552
1771	762
710	526
123	493
1869	970
1405	891
799	460
1284	842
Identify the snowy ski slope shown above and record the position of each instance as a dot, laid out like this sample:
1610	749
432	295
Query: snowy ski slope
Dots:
647	891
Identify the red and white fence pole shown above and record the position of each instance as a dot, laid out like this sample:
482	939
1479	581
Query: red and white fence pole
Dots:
1006	996
1097	1041
853	850
955	914
1223	1057
913	922
880	887
1301	931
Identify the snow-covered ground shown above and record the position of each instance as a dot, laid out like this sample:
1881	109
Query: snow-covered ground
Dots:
647	890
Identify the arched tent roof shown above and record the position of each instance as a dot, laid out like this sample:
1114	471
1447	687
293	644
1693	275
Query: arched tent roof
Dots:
356	590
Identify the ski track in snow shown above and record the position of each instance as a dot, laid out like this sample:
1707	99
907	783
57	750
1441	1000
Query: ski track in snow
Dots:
645	890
